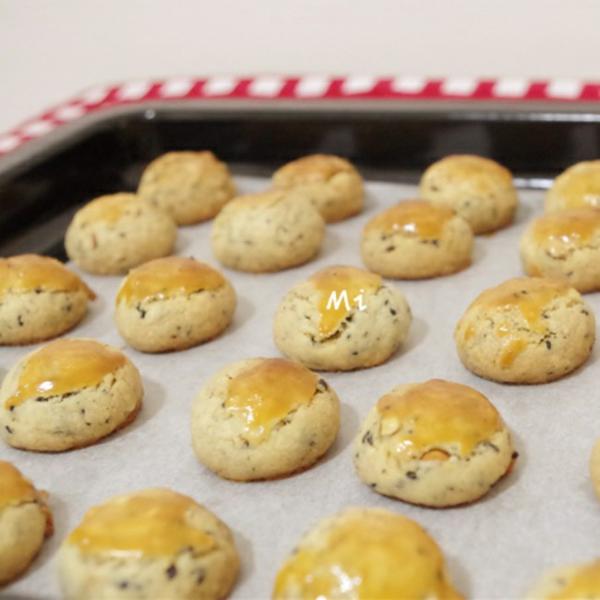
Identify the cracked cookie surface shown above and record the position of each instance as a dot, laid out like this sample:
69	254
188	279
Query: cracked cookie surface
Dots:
263	418
173	303
39	299
365	554
191	186
565	245
526	330
266	232
342	318
113	233
577	186
68	394
154	543
480	190
436	443
25	521
416	239
332	183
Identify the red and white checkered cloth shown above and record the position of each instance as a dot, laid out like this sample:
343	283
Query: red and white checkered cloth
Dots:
307	88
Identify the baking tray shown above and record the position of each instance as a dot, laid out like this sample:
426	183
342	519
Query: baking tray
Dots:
543	515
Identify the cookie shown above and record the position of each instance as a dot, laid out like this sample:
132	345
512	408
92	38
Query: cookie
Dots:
415	240
332	183
575	582
39	299
526	330
263	418
150	544
111	234
575	187
25	522
565	245
595	468
365	554
340	319
191	186
270	231
68	394
173	303
435	444
480	190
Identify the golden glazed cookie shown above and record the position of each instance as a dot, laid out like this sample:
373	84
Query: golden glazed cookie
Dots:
25	522
39	299
480	190
341	318
68	394
526	330
191	186
263	418
436	444
575	582
332	183
111	234
270	231
415	240
365	554
147	545
565	245
173	303
575	187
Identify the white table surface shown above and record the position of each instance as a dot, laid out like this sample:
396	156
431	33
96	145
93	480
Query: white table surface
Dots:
52	49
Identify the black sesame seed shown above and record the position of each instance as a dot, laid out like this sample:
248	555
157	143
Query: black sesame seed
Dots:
171	572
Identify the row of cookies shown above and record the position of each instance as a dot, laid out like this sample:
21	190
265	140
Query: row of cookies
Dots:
277	229
284	226
264	418
159	543
525	330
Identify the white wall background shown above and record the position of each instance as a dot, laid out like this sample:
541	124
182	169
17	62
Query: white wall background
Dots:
51	49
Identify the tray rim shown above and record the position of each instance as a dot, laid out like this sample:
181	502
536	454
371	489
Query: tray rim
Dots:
311	91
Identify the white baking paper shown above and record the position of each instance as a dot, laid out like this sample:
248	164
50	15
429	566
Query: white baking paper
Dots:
544	514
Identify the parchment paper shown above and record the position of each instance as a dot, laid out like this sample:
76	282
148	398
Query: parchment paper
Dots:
543	515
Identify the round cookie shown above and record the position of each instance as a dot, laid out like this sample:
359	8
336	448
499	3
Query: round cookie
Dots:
595	468
575	187
25	521
191	186
435	444
340	319
270	231
332	183
111	234
263	418
39	299
68	394
150	544
173	303
415	240
565	245
365	554
480	190
575	582
526	330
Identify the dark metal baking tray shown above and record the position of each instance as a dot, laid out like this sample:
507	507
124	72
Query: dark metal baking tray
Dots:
43	183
